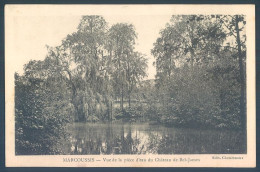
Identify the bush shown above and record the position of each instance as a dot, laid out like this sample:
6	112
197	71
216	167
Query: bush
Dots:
201	96
40	117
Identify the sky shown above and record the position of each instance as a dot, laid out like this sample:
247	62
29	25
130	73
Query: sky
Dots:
31	34
29	28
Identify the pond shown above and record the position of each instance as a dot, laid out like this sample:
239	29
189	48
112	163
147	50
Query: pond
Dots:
143	138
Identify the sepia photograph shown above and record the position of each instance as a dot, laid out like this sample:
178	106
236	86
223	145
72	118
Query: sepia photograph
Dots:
153	84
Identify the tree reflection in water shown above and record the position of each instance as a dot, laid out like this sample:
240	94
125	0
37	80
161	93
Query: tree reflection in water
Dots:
113	138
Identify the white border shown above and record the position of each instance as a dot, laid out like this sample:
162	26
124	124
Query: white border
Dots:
249	160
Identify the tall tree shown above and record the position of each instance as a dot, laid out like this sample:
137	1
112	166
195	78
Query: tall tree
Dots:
235	26
135	72
86	49
121	44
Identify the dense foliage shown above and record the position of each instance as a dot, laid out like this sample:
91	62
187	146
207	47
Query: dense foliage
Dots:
42	109
78	80
200	63
96	75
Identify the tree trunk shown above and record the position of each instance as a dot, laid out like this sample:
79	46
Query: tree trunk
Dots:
129	99
73	96
192	57
242	81
192	48
108	108
111	113
122	97
128	79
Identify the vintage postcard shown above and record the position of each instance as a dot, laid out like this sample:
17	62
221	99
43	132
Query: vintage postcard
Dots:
130	85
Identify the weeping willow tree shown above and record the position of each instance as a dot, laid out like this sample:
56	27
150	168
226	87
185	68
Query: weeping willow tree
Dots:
97	62
87	68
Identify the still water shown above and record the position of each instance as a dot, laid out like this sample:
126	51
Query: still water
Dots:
142	138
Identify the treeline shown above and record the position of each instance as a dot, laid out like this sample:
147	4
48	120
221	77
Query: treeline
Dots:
77	81
200	79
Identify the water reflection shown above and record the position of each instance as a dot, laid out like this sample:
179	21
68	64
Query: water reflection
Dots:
111	138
